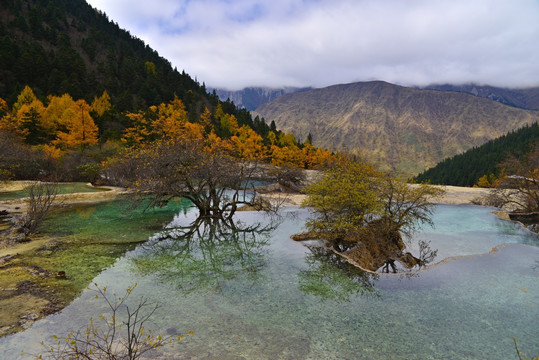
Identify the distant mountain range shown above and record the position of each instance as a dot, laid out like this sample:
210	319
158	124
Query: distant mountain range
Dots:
398	128
521	98
252	97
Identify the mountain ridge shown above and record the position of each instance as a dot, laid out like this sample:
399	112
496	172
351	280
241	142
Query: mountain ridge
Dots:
251	98
524	98
408	129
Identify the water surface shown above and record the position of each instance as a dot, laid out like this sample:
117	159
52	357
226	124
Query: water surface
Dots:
63	188
260	295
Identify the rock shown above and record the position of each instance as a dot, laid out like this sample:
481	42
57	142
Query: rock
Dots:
408	260
376	248
525	218
6	329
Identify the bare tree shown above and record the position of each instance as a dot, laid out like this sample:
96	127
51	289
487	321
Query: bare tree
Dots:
41	198
214	181
121	336
518	188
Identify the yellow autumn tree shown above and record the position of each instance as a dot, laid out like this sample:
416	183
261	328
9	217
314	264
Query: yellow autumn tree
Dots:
192	131
26	96
25	118
248	144
286	155
170	120
139	132
322	157
205	120
101	104
8	123
227	122
272	138
214	143
59	112
82	131
4	109
288	140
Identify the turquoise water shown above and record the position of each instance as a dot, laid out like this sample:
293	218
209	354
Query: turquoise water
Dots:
260	295
63	188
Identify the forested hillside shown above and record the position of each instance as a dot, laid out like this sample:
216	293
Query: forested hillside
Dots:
466	169
76	89
66	46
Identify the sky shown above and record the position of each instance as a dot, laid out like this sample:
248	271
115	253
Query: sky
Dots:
233	44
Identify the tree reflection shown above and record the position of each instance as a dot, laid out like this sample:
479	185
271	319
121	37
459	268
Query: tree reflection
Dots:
206	253
331	277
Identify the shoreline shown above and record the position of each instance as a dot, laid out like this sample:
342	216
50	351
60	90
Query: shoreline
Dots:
454	195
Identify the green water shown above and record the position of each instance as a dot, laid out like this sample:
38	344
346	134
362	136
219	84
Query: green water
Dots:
82	241
260	295
63	188
92	237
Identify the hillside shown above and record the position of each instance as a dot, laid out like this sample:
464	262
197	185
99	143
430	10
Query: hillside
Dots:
465	169
521	98
395	127
66	46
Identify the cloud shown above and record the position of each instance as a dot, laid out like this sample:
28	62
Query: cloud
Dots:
233	44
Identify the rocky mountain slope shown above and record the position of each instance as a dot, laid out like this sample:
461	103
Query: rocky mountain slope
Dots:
521	98
252	97
397	128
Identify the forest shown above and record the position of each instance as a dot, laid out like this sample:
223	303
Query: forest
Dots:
66	46
76	89
63	139
486	160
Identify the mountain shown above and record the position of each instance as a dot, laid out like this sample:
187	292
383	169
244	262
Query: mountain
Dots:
521	98
66	46
465	169
397	128
252	97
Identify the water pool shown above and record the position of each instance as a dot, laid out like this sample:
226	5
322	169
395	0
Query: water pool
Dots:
263	296
63	188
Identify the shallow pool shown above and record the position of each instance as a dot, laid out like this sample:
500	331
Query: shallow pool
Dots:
63	188
260	295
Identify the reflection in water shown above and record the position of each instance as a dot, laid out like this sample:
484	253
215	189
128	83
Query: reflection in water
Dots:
331	277
205	253
461	309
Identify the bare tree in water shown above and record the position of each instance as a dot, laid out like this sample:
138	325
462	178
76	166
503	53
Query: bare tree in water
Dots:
41	198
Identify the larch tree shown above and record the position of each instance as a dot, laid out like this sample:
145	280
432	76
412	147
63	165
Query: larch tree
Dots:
100	105
81	130
248	144
170	119
26	96
59	112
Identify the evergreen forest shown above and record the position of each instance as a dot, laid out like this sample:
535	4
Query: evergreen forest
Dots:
467	168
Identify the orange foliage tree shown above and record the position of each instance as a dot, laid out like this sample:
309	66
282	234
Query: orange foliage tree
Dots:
81	130
248	144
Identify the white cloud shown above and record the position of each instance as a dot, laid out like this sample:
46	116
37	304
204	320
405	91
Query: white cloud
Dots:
241	43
